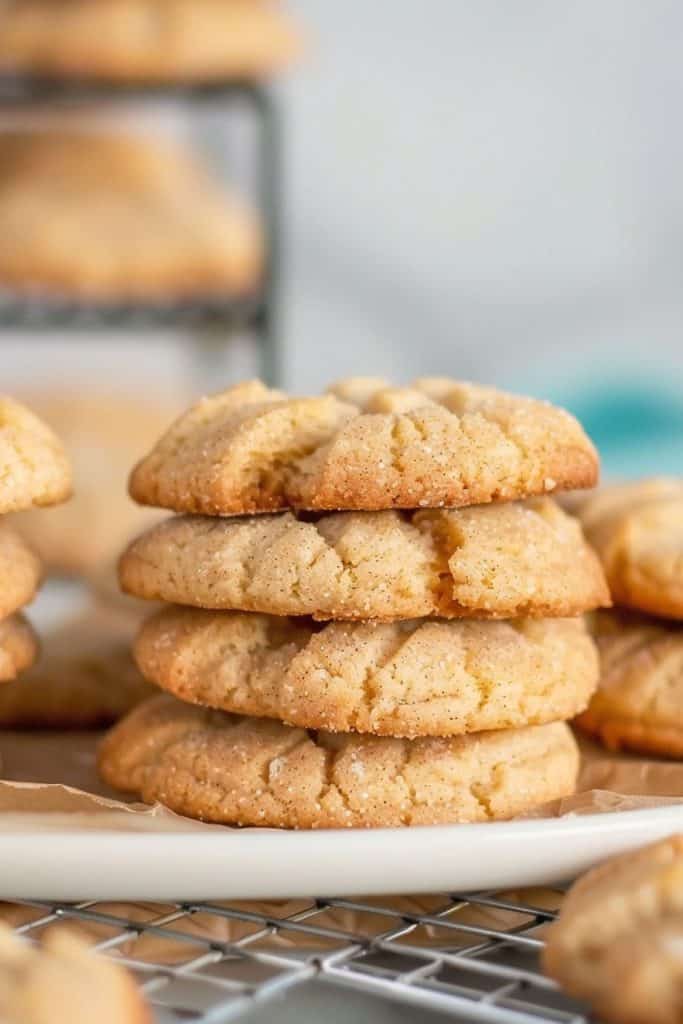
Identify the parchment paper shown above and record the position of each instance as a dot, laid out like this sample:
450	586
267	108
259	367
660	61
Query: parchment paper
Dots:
49	781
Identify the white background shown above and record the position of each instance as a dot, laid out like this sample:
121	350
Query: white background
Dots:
488	189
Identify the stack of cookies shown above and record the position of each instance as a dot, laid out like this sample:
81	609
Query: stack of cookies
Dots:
34	471
375	608
637	530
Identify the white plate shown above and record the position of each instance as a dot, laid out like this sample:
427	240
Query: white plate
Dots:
59	865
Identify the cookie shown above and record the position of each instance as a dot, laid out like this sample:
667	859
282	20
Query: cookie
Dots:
637	530
639	703
34	469
103	435
115	218
85	678
495	561
63	980
618	938
406	679
147	40
363	446
18	647
255	771
20	571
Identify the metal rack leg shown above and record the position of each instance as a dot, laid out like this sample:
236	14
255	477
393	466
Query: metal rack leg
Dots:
270	177
211	341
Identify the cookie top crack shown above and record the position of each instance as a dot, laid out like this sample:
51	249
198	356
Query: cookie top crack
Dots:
363	446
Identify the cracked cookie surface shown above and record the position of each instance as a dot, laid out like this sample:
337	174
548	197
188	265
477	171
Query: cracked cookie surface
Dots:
18	647
637	530
618	938
406	679
363	446
146	40
254	771
155	224
639	702
34	469
497	561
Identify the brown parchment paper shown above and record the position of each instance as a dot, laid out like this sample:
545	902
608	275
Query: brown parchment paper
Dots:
49	781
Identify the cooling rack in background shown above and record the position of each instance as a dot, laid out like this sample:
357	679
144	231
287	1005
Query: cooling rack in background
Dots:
219	319
432	963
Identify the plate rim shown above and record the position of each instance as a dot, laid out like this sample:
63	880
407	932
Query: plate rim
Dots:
256	864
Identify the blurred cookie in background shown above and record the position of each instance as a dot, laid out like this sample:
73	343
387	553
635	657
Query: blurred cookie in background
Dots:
114	218
617	940
20	570
85	677
636	528
103	436
18	647
147	40
34	468
61	979
34	473
638	705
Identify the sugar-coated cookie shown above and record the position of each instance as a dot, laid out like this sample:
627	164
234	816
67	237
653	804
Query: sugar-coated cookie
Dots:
415	678
490	561
255	771
364	445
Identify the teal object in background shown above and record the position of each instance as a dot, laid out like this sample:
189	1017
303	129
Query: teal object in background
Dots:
636	425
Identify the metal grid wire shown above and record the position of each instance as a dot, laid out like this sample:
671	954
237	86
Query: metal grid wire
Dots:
473	957
28	88
46	313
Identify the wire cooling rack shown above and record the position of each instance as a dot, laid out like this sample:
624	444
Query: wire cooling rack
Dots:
472	957
45	313
259	313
